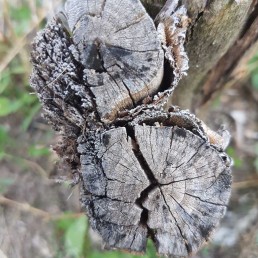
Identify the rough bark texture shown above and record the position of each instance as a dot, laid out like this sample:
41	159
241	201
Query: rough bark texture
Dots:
144	172
215	27
221	40
232	68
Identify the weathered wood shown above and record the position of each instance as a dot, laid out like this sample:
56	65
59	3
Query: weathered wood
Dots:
144	173
120	51
172	23
163	182
113	50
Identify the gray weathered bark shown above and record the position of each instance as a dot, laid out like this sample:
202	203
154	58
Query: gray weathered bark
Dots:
144	172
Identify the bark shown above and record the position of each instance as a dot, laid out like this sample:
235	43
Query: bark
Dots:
232	68
103	73
221	40
215	27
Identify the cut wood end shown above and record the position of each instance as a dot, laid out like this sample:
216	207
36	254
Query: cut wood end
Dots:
164	182
108	57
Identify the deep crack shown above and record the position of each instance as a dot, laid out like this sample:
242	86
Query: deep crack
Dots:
153	182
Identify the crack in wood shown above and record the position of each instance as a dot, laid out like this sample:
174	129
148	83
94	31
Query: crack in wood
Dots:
153	182
199	198
132	23
112	77
187	246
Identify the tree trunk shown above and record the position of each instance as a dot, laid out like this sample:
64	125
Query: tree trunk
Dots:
221	40
103	72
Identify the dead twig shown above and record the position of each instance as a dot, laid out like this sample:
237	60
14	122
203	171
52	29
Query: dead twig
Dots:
245	184
25	207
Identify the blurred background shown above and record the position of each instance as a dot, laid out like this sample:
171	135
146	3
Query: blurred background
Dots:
40	216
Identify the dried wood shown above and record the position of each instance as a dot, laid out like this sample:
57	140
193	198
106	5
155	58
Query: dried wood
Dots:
144	172
162	182
114	50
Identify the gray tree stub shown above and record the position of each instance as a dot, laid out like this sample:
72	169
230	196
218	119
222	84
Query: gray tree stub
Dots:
119	50
98	70
162	182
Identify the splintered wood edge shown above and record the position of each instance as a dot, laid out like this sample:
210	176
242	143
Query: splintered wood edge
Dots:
172	24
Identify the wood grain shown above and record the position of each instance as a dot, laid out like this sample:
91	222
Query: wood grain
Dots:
119	50
161	182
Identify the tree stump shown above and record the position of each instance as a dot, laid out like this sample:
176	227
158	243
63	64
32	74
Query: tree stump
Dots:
119	50
144	172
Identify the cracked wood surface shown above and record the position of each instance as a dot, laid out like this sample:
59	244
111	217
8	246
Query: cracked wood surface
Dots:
120	51
160	182
106	54
144	172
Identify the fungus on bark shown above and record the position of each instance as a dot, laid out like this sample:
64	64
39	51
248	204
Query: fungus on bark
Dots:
100	70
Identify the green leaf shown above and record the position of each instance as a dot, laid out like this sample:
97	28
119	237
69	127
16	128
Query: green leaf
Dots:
75	236
5	80
4	139
151	250
28	99
254	59
112	254
232	153
20	13
64	222
150	253
2	154
8	106
19	69
38	151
